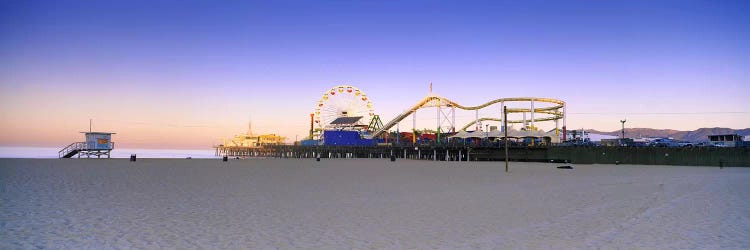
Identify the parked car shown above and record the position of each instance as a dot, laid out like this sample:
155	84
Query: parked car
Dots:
686	144
664	142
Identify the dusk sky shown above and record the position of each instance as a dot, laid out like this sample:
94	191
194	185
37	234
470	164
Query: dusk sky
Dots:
185	74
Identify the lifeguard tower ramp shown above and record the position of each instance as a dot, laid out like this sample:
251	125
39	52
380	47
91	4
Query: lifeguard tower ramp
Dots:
97	144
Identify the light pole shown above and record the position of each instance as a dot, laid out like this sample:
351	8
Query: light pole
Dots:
623	128
505	125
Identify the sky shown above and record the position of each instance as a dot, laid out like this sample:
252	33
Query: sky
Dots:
186	74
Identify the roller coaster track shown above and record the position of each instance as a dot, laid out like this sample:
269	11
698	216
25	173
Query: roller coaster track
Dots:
552	118
442	101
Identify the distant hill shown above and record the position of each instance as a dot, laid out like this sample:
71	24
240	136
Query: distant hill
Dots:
697	135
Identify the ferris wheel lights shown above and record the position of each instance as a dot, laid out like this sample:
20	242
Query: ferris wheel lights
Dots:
332	106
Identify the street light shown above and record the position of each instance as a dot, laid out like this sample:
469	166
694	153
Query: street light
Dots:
505	128
623	128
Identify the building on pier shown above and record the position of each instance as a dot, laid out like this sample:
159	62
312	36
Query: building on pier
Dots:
241	144
727	140
252	140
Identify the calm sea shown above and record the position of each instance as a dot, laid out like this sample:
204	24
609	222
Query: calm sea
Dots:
40	152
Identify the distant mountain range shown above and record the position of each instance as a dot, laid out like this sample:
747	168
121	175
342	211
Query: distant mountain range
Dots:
698	135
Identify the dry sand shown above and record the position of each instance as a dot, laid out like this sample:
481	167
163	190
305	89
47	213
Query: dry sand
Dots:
368	203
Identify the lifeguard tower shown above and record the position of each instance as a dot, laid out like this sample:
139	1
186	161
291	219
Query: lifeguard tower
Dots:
96	144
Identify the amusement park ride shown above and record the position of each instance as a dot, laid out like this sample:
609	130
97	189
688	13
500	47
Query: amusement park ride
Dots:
347	108
342	101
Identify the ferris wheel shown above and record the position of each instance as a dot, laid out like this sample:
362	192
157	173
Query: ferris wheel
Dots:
342	101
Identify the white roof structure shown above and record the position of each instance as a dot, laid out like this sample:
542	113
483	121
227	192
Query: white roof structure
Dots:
531	133
512	133
496	134
599	137
461	134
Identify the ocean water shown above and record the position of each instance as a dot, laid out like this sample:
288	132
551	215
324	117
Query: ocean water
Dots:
46	152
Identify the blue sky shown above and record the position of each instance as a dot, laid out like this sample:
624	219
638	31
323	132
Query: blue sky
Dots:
204	67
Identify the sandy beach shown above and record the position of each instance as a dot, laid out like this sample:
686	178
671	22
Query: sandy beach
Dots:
368	203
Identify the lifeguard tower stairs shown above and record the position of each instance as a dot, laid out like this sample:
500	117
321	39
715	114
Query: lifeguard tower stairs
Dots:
97	144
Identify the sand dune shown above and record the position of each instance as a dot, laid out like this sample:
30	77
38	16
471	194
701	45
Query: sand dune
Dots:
368	203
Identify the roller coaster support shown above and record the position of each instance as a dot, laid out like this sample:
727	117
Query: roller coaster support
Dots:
398	134
565	117
453	119
532	115
437	131
414	128
476	120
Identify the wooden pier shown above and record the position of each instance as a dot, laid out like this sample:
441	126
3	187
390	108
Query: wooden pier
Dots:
697	156
445	153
